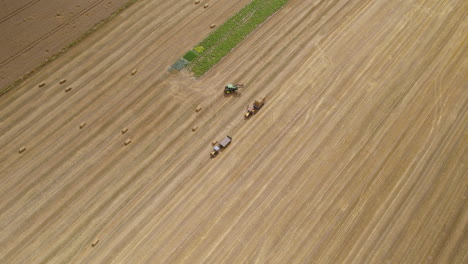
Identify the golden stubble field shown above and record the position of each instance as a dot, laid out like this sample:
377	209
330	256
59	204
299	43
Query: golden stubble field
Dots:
33	30
358	156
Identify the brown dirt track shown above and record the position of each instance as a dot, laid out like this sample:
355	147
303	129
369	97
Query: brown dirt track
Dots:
359	155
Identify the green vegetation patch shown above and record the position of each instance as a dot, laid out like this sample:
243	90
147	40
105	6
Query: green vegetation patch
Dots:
219	43
179	65
199	49
190	56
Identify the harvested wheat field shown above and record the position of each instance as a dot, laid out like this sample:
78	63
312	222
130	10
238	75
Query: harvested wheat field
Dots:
34	30
359	154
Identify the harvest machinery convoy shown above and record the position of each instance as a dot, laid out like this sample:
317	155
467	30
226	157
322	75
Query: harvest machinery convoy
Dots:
253	109
232	88
222	144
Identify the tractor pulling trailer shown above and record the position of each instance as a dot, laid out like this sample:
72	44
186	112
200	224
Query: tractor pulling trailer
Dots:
219	147
254	108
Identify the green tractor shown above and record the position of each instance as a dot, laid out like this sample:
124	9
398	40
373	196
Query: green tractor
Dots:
232	88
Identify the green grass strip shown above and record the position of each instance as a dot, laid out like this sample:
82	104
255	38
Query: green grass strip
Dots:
219	43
